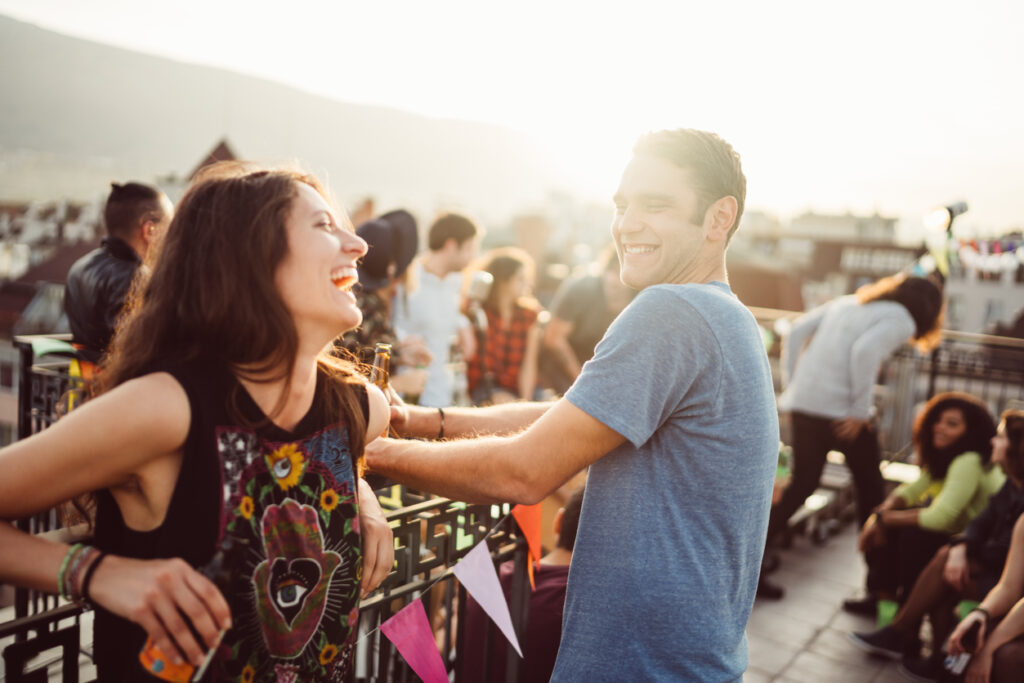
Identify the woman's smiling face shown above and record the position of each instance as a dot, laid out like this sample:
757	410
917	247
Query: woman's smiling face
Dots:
950	426
316	276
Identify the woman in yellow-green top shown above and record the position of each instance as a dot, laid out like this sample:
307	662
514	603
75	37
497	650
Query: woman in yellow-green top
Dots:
952	436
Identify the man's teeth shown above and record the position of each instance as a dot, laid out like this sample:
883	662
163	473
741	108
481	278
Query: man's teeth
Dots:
639	249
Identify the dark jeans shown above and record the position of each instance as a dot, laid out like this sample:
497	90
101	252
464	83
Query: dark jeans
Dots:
812	440
894	566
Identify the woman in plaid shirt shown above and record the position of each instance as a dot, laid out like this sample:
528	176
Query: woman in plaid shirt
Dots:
505	366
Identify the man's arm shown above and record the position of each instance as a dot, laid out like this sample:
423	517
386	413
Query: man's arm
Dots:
425	423
521	468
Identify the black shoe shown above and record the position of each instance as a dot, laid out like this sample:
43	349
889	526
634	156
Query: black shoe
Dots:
865	607
918	669
768	590
886	642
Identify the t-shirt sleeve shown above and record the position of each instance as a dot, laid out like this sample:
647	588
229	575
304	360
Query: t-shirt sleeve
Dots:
647	363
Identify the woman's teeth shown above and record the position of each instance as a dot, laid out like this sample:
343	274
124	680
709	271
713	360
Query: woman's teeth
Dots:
344	278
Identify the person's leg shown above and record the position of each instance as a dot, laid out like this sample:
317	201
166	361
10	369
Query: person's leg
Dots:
929	590
883	566
862	457
812	439
916	548
1008	662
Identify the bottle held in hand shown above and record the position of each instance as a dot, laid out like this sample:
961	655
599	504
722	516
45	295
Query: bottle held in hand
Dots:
158	663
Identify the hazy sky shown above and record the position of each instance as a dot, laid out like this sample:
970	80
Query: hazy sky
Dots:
878	104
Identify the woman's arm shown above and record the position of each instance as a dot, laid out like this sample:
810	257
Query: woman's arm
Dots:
800	332
1004	596
528	370
1008	629
962	480
866	355
126	435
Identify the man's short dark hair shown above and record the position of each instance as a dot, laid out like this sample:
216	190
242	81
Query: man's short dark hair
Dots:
571	520
451	226
713	163
129	205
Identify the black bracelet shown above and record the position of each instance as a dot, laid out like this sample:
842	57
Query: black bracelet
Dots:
440	432
878	519
983	611
87	579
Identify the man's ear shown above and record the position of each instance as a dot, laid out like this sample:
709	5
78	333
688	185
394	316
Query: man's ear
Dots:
147	231
719	218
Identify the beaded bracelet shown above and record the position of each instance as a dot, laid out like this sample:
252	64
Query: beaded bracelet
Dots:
62	572
83	560
440	432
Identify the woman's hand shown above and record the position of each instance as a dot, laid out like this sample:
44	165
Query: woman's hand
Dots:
955	645
378	539
872	534
158	595
957	572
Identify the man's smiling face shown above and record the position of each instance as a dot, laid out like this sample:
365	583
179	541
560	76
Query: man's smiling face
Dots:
657	230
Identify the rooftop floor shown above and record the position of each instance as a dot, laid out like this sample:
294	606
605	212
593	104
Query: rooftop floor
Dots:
802	638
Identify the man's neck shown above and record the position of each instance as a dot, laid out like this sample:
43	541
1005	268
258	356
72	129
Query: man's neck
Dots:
558	556
435	263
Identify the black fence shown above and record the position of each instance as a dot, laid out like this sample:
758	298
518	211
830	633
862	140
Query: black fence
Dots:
45	636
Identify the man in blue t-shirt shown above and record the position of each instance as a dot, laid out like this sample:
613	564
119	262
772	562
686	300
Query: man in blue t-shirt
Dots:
675	415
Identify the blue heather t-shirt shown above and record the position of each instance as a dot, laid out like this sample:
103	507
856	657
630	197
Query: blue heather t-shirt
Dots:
673	523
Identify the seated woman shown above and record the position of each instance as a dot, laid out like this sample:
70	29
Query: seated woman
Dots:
999	653
224	437
952	436
967	568
505	365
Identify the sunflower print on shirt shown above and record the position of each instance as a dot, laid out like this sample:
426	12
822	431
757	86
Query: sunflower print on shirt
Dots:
290	512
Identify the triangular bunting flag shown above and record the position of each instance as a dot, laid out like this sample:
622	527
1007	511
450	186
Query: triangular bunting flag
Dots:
528	517
476	572
410	631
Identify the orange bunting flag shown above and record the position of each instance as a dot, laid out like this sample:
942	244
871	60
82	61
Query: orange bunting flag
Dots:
528	518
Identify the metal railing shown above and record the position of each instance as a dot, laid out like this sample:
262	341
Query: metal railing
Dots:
431	536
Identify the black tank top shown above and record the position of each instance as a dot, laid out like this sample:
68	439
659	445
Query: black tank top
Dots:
285	504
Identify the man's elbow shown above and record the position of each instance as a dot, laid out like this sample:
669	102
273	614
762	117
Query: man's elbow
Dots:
525	487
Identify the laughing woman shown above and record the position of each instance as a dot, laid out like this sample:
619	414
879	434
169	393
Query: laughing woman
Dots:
222	425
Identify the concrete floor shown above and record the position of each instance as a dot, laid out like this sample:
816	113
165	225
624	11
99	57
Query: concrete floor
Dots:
802	638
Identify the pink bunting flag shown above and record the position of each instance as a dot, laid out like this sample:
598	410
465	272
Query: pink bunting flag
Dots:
476	572
410	631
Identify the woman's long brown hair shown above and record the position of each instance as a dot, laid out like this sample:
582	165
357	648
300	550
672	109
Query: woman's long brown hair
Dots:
211	292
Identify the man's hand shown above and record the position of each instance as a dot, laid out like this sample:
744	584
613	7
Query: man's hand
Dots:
957	572
848	428
378	539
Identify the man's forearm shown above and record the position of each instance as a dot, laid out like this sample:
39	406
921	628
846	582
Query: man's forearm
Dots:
507	418
470	470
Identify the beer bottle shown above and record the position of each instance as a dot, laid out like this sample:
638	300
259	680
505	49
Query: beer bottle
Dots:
219	572
380	372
